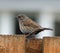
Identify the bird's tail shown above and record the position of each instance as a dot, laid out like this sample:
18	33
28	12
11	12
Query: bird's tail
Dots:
47	29
36	32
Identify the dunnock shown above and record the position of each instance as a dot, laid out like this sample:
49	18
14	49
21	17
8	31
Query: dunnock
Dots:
28	26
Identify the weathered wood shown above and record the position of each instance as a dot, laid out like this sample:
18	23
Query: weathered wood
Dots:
51	45
34	46
12	44
17	44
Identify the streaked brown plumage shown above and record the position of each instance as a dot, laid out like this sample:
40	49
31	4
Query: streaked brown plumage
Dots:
28	26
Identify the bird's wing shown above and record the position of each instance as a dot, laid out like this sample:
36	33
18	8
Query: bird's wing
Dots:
30	23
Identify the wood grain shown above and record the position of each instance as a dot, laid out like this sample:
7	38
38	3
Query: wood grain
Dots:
51	45
12	44
34	46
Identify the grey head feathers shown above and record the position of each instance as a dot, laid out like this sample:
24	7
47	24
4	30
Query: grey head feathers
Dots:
22	17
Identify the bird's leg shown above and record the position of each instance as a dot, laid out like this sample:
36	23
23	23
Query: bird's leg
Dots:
28	37
32	35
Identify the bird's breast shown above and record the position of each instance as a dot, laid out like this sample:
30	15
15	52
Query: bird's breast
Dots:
25	29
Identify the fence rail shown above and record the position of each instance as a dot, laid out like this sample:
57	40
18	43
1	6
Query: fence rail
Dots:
12	44
18	44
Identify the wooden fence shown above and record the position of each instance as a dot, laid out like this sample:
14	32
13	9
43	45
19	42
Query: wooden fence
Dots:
18	44
51	45
12	44
34	46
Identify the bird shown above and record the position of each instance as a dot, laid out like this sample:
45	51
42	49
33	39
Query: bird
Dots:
29	27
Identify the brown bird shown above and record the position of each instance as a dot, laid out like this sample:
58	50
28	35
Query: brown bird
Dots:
28	26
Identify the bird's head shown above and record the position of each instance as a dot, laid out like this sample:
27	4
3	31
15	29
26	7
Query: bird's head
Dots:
22	17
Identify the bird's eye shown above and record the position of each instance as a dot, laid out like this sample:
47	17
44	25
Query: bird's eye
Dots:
19	16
